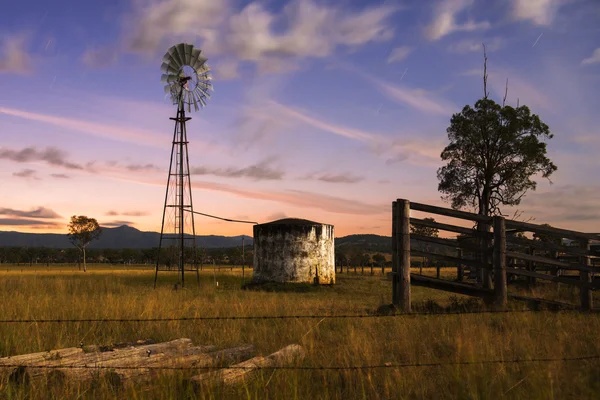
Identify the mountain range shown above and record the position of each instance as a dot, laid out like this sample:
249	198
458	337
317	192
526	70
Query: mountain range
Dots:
113	238
127	237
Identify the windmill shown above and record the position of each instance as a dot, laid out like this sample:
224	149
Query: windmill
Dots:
187	82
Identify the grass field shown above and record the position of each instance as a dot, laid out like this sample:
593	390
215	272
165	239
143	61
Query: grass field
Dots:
104	292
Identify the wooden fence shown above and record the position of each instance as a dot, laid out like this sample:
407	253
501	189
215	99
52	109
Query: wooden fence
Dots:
491	251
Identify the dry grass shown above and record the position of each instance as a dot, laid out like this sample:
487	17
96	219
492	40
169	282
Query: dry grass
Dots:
106	293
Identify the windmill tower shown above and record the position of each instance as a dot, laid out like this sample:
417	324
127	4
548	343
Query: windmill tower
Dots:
187	82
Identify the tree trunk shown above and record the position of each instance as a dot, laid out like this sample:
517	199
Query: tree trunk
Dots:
84	266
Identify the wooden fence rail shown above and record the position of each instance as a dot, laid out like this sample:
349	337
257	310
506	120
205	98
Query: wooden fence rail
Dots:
491	250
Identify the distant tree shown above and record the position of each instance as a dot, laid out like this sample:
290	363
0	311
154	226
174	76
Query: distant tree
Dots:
424	230
82	230
378	259
494	152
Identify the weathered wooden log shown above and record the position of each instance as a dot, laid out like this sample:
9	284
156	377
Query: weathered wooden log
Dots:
142	371
137	364
117	346
238	373
25	359
71	359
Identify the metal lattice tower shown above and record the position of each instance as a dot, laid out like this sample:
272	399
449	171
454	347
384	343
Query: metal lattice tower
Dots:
187	81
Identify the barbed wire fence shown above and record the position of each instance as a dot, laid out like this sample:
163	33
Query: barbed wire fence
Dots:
314	368
388	365
290	317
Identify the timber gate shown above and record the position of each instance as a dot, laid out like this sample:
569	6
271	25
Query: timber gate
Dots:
491	253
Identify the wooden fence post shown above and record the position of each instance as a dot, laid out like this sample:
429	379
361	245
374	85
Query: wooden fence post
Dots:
402	276
485	272
500	290
585	277
460	272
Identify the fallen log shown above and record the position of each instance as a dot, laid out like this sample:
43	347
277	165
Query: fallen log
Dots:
144	370
38	366
116	346
134	364
243	371
25	359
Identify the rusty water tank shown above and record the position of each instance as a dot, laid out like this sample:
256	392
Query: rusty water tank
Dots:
294	250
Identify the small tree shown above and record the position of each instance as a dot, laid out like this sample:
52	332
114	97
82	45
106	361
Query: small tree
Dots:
82	230
379	259
494	152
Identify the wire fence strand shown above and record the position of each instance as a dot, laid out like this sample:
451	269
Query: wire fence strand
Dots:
288	317
313	367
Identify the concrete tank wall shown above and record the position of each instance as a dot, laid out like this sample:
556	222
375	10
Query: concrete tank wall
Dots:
294	250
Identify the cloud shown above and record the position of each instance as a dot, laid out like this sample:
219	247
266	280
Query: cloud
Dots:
472	72
414	98
399	54
468	45
116	224
420	152
40	212
257	172
300	198
444	19
32	223
334	178
270	40
113	213
26	173
60	176
142	167
518	88
593	59
100	57
539	12
13	58
227	70
276	216
123	134
563	204
50	155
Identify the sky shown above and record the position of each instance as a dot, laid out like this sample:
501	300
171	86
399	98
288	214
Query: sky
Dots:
323	110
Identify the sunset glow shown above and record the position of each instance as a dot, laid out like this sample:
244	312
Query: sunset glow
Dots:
322	111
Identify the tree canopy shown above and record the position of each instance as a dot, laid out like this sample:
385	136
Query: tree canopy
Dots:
424	230
495	151
82	230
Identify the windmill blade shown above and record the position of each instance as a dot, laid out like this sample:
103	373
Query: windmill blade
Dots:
169	68
187	50
202	95
181	53
169	59
175	54
200	62
195	54
196	108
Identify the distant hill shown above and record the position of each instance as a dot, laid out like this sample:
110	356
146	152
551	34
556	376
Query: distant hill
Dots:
368	242
383	244
127	237
113	238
